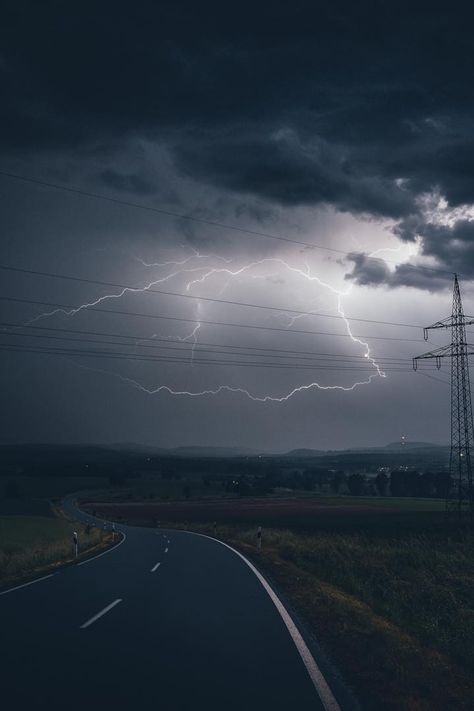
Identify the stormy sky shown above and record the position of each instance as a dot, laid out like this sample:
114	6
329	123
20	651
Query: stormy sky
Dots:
298	177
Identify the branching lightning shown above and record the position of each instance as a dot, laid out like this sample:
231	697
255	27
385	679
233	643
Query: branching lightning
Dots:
186	260
118	295
307	275
204	273
227	388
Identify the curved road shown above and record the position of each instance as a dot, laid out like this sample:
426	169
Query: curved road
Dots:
185	625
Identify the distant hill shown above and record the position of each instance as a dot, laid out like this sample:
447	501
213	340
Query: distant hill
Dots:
395	447
412	445
86	453
203	451
305	453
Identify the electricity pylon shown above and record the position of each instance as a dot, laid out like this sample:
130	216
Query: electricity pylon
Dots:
460	492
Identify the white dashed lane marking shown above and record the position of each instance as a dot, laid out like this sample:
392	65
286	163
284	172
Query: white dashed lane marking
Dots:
25	585
100	614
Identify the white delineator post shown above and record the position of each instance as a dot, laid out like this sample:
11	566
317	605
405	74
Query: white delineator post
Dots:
74	538
259	537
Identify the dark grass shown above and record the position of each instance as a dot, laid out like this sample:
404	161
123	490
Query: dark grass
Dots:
396	615
370	515
31	544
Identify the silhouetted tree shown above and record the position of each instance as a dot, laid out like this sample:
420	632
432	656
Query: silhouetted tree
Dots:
441	484
337	481
397	483
406	483
262	485
381	483
356	484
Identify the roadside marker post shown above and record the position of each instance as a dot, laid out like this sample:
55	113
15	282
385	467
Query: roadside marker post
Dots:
74	538
113	531
259	537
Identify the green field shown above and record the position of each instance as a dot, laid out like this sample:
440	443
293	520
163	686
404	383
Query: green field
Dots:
29	544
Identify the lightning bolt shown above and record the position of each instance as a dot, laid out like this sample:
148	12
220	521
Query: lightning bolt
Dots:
237	272
409	248
138	289
186	260
224	388
194	336
305	273
183	339
118	295
230	273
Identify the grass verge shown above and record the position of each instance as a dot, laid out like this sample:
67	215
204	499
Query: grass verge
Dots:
30	545
395	615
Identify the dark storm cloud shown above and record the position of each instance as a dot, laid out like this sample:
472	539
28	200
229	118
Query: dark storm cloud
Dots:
280	167
452	246
360	106
231	112
129	183
368	271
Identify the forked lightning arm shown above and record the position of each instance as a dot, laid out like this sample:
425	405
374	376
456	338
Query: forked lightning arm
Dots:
199	275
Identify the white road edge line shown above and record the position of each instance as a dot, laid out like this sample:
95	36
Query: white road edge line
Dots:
109	550
155	567
25	585
166	550
322	687
100	614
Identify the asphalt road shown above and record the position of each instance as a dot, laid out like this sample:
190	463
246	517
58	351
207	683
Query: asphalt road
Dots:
186	625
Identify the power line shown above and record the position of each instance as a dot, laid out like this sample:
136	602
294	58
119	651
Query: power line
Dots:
13	326
162	292
201	220
172	359
202	321
432	377
197	348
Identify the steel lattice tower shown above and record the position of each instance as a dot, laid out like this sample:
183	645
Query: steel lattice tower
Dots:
460	492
